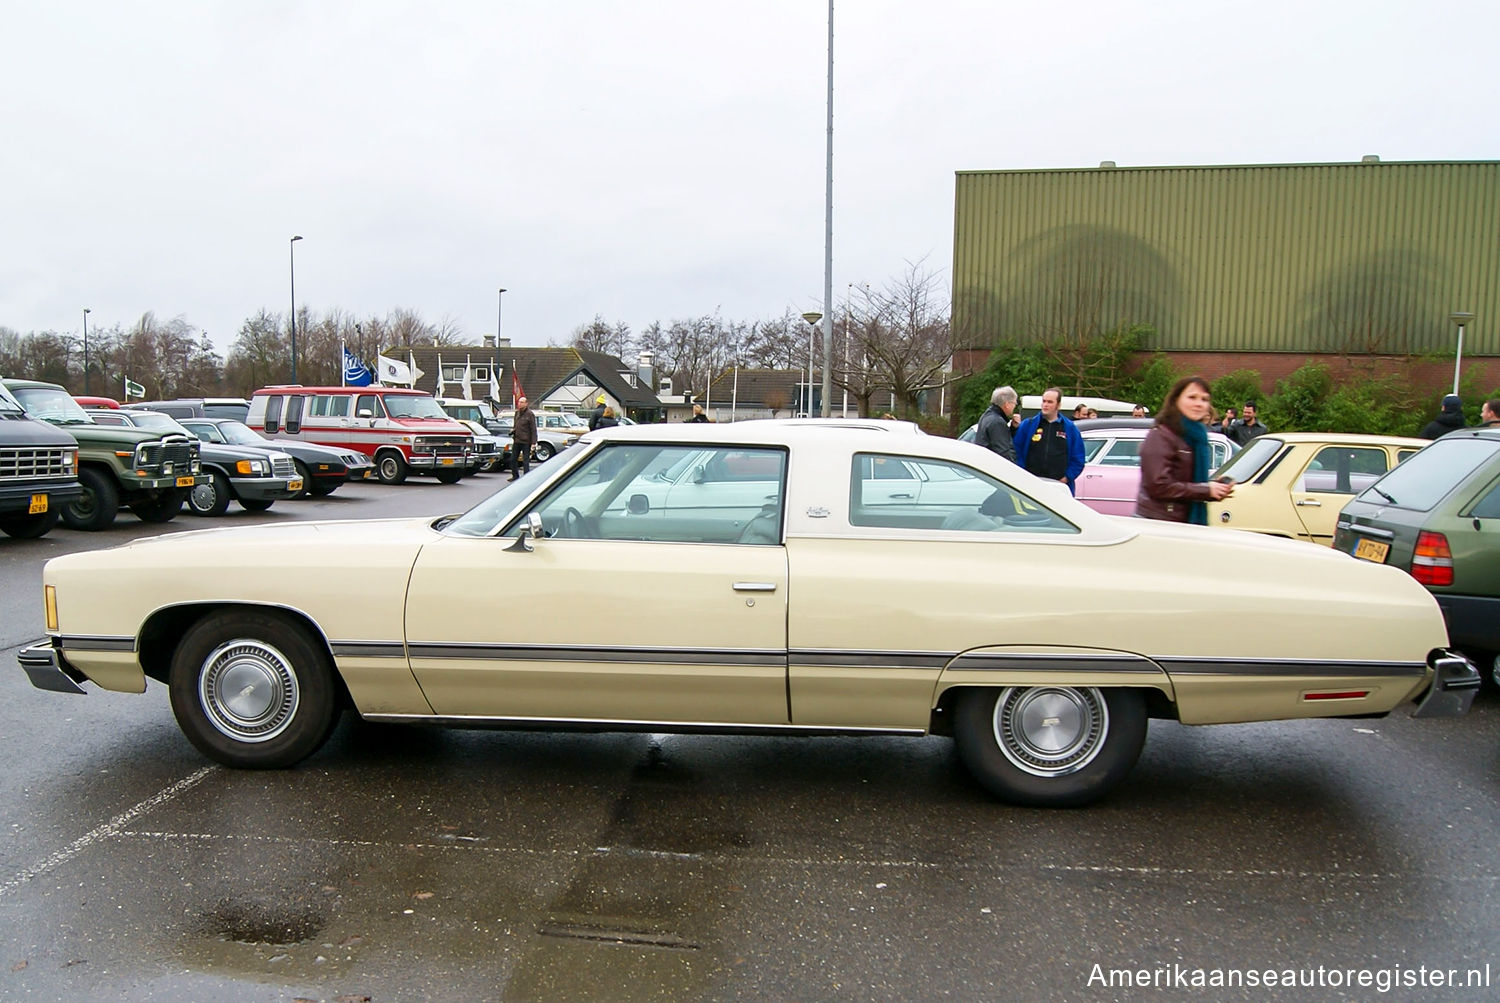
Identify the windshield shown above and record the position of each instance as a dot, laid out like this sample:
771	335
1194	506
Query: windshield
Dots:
156	421
1424	480
240	434
51	404
496	510
1244	465
7	402
413	407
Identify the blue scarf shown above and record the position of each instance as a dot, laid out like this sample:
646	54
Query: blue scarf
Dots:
1196	434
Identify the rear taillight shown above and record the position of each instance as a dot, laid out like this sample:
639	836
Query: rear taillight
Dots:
1432	561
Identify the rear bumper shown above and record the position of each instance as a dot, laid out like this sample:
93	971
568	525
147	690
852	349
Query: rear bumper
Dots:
1455	681
1473	621
47	669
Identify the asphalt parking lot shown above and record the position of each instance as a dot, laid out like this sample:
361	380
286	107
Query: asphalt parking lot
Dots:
405	863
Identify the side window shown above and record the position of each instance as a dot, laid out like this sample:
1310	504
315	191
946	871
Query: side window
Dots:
1488	505
1342	470
368	406
1220	454
1091	449
273	413
107	419
1124	453
659	493
338	407
317	405
947	496
294	414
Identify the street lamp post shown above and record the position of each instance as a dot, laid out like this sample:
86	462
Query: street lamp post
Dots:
292	251
812	317
1461	318
499	308
86	312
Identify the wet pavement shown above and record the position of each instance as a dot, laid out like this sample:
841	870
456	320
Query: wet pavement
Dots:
414	863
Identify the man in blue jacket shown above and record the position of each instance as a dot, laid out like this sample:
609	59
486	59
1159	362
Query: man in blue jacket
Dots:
1048	445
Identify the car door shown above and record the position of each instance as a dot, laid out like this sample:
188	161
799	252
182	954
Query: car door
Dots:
1335	474
594	622
1112	479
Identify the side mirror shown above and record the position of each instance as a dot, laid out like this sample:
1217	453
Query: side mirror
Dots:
531	531
638	505
365	412
699	474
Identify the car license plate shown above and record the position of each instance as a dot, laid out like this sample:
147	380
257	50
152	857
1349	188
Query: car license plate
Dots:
186	481
447	461
294	485
1372	550
38	504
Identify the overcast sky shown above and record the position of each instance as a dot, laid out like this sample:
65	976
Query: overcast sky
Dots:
646	160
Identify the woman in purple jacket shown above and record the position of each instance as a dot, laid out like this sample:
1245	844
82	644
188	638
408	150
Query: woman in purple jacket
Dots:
1175	458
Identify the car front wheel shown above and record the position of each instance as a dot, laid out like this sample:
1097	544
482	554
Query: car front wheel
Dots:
1050	746
544	451
95	508
390	468
30	526
211	498
253	690
162	507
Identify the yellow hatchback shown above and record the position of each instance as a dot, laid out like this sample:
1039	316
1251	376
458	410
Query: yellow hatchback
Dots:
1294	484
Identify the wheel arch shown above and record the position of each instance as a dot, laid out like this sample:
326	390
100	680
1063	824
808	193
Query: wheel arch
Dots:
156	642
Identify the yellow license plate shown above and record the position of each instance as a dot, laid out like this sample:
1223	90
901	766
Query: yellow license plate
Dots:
38	504
1372	550
447	461
186	482
294	485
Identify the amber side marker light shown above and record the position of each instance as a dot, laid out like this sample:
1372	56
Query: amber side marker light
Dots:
49	597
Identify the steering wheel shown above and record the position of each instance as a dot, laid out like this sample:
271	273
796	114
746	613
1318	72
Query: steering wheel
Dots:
576	525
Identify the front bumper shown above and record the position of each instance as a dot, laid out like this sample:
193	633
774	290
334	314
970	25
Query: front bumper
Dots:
440	461
266	488
19	497
1455	681
47	669
133	483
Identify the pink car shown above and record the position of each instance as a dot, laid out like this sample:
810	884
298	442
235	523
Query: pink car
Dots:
1112	474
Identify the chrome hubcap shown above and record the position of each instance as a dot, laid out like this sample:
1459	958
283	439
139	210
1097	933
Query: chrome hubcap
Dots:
1050	731
248	690
202	497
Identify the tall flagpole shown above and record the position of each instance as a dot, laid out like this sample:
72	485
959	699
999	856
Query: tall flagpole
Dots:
828	245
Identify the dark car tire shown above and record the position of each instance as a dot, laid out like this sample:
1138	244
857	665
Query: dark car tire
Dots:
95	508
253	689
256	504
1050	746
162	508
212	498
390	468
324	486
307	480
544	451
30	526
449	475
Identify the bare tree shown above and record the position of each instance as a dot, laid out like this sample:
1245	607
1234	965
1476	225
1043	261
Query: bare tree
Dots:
902	342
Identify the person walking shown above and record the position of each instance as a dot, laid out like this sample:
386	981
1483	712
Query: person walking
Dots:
597	413
1248	427
1450	417
698	416
1175	458
994	431
607	419
1048	444
522	438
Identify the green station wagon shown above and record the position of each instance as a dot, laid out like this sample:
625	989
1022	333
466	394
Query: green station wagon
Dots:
1437	517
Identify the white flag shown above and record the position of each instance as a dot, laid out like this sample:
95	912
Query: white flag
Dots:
442	391
468	376
394	371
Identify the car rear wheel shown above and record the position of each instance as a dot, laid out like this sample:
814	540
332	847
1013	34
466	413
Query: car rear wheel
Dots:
162	507
544	451
324	486
95	508
1050	746
390	467
30	526
307	480
253	690
211	498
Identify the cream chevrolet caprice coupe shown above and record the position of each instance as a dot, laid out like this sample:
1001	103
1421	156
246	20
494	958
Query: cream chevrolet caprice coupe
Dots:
754	577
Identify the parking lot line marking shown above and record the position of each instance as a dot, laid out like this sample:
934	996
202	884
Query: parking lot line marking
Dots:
106	830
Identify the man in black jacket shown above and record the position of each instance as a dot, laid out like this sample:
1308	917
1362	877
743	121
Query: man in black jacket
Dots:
1448	419
994	431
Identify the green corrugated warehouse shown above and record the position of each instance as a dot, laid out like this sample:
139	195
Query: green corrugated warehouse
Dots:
1291	259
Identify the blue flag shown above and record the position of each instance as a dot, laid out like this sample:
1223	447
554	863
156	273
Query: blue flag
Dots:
356	373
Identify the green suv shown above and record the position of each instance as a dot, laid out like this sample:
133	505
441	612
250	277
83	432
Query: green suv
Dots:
1437	517
145	470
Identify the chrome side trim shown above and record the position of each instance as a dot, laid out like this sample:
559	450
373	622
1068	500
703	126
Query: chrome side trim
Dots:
1054	662
368	649
823	658
96	642
1287	667
598	653
606	724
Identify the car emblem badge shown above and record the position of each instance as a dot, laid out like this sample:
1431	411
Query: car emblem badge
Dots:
817	512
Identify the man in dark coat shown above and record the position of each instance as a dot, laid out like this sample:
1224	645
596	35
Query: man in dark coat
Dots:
1449	418
994	431
1248	426
597	413
522	437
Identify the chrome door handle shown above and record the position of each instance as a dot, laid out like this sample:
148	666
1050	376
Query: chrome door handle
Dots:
1310	502
755	586
901	495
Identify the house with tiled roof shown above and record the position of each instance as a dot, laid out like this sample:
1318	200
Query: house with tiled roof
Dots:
553	379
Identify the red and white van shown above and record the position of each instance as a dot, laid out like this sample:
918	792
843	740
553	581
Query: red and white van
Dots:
401	430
